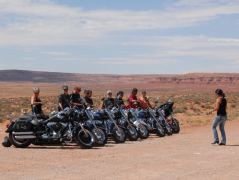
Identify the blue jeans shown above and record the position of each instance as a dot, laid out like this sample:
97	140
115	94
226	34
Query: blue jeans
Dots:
219	120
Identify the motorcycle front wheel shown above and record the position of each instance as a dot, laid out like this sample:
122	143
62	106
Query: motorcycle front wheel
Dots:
85	139
119	135
100	136
132	133
143	131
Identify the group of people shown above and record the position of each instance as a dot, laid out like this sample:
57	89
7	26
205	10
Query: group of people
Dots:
76	100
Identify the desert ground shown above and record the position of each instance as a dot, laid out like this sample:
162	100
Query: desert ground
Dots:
188	155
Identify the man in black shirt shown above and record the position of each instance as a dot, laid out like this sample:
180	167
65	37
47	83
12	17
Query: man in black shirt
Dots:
64	99
87	98
119	102
108	102
75	98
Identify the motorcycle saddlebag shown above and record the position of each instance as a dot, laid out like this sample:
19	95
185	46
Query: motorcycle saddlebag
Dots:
23	124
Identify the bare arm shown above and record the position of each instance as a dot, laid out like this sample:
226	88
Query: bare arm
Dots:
33	101
217	105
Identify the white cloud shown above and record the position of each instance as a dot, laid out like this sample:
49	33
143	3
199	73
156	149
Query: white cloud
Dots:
29	22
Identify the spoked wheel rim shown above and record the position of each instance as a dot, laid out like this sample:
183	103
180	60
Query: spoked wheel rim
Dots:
120	134
143	130
99	135
132	132
85	138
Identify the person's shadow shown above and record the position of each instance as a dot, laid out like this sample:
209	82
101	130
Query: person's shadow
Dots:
232	145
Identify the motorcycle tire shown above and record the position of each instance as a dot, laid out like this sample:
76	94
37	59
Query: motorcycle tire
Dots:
143	131
175	126
85	139
119	135
159	130
132	133
100	136
19	143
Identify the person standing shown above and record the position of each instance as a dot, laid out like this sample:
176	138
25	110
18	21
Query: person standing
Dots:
220	119
36	103
64	99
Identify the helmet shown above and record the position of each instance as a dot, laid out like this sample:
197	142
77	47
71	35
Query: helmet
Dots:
65	87
36	90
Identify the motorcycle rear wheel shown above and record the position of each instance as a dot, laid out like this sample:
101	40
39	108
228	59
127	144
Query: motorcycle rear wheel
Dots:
19	143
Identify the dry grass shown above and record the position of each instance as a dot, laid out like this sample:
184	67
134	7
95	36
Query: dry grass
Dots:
191	110
191	104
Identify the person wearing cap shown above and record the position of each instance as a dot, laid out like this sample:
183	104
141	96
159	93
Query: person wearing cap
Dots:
64	99
221	117
75	98
144	101
108	101
119	102
133	100
87	98
36	103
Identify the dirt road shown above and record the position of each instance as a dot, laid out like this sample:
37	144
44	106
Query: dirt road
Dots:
188	155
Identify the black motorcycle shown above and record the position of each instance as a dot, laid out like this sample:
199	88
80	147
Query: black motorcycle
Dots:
104	119
140	125
62	127
100	135
153	124
122	120
167	110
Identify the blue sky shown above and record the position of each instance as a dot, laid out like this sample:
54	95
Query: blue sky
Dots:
120	37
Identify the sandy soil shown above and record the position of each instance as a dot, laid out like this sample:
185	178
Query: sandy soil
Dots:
188	155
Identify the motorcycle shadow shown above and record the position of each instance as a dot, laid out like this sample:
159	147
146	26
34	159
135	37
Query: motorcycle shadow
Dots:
66	147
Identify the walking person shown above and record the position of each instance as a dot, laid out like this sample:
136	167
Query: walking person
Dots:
220	119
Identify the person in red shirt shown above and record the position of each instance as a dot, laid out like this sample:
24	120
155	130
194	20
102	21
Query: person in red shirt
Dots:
133	100
144	101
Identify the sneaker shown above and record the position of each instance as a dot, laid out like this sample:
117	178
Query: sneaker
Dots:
215	142
222	144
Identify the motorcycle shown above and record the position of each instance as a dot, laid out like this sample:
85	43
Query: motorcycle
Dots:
61	127
104	119
167	111
152	122
100	135
140	125
122	120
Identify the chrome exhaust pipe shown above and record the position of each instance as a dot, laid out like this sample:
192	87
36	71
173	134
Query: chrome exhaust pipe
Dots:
23	133
25	137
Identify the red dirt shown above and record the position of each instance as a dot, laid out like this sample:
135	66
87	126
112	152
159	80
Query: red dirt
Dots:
188	155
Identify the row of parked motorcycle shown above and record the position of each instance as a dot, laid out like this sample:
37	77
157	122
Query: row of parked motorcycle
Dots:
89	127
